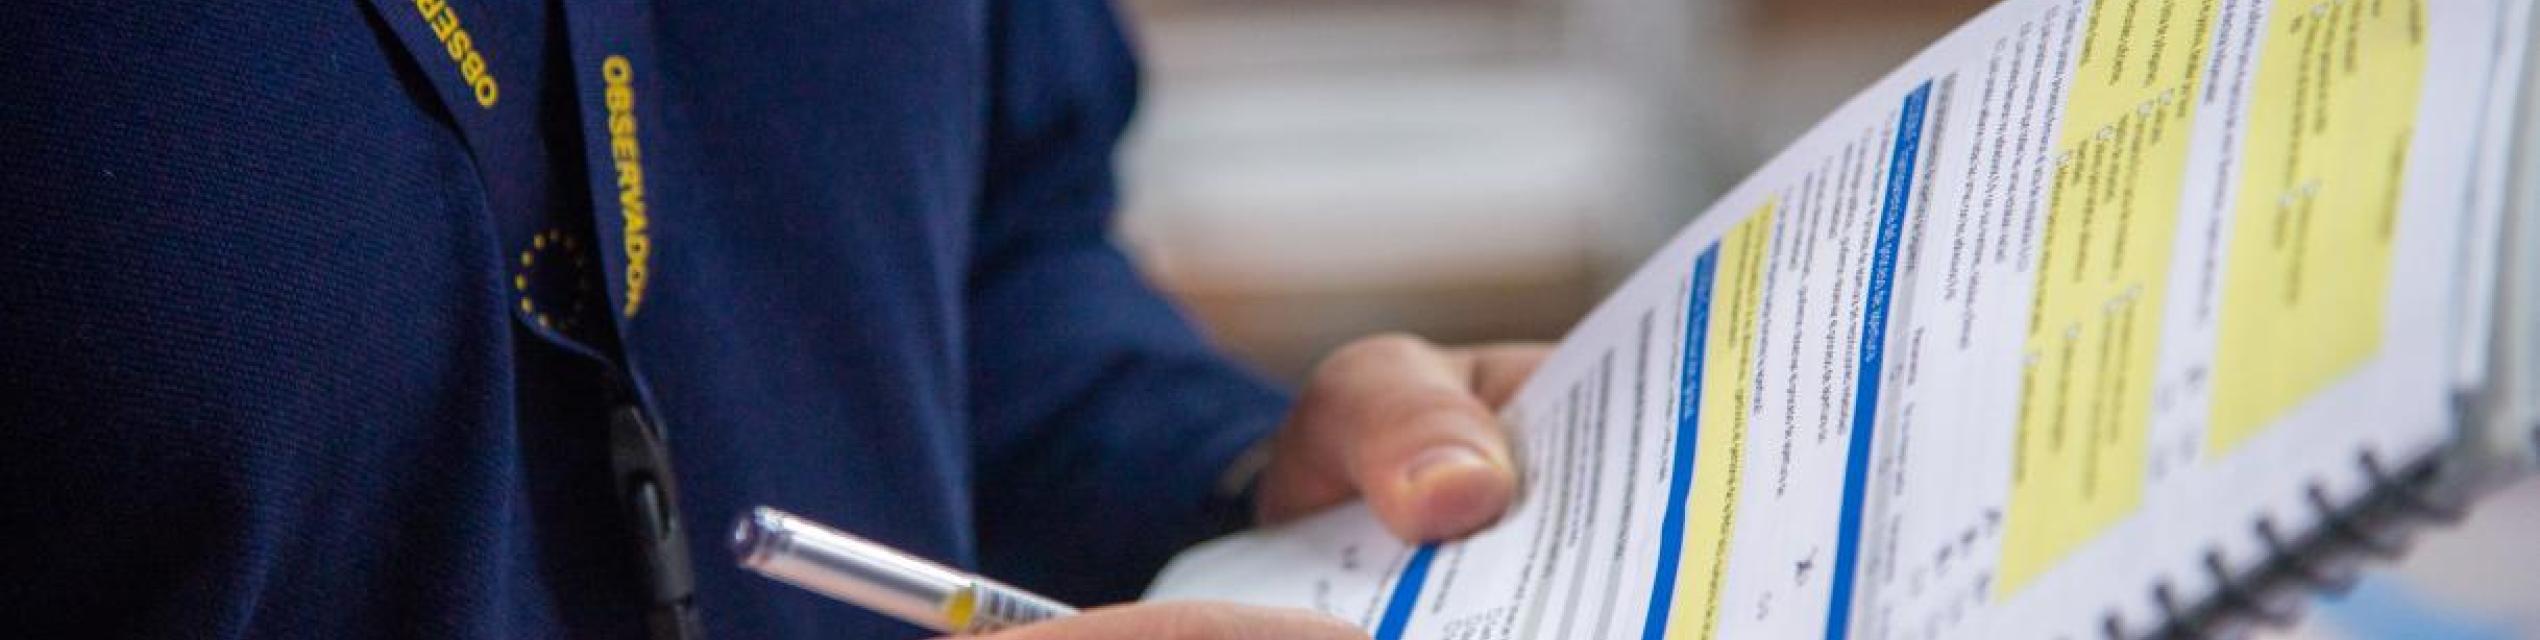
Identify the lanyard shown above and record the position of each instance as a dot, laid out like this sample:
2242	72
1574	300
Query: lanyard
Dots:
618	86
468	58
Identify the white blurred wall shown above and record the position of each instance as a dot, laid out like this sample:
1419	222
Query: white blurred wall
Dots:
1307	171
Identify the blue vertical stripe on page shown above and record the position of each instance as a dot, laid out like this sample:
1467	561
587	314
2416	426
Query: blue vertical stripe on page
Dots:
1406	593
1900	184
1680	480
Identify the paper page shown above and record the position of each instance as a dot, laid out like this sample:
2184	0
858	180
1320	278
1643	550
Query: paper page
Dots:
2484	241
2041	320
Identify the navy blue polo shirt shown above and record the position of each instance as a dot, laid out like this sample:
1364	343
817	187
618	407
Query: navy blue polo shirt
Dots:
312	314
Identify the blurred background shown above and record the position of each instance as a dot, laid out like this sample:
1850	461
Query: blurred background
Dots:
1308	171
1304	172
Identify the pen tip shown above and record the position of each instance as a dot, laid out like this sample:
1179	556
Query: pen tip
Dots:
750	535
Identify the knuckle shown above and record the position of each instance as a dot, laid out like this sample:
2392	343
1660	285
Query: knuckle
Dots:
1187	622
1341	630
1404	407
1380	347
1512	350
1318	627
1221	621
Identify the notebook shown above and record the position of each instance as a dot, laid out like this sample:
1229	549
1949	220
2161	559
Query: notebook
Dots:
2098	318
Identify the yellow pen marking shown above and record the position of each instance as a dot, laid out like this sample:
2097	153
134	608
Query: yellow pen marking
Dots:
958	611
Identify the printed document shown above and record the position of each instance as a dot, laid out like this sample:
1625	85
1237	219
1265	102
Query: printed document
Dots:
2045	316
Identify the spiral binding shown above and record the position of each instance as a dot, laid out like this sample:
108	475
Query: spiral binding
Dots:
2325	558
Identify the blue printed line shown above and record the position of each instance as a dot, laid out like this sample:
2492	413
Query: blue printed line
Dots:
1406	593
1688	411
1900	184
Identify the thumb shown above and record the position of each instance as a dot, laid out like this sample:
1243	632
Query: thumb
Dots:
1407	425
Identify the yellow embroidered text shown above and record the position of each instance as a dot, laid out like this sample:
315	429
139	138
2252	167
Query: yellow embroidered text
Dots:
462	49
629	157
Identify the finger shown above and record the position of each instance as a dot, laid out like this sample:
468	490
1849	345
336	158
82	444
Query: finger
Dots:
1187	621
1499	369
1410	435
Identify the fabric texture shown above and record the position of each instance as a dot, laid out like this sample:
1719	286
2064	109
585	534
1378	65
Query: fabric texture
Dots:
283	354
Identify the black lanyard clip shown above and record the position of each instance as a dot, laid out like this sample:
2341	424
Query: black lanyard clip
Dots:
641	464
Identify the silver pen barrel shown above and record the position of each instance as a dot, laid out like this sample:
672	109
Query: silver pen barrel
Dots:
834	563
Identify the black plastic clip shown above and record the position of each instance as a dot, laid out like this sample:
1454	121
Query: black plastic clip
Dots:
641	464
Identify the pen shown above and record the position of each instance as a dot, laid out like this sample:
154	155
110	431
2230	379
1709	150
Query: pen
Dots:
860	572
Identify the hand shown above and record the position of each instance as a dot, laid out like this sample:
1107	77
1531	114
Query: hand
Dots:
1187	621
1411	426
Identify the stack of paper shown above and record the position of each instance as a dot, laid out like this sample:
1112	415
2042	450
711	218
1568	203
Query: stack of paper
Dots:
2038	325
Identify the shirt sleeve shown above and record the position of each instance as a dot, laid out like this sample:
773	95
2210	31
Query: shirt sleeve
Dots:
1103	422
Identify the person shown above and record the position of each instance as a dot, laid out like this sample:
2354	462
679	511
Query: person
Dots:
370	318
